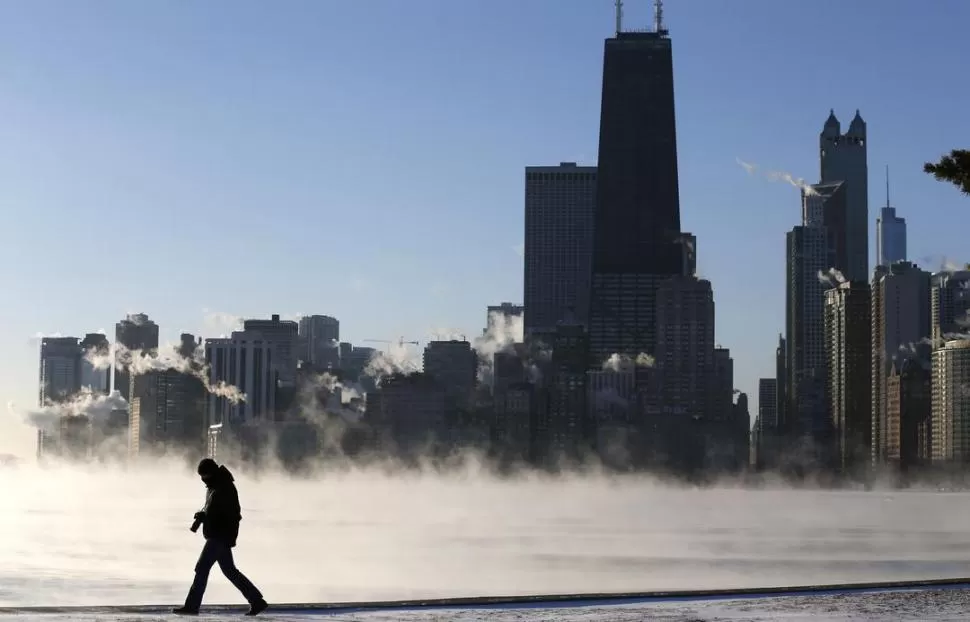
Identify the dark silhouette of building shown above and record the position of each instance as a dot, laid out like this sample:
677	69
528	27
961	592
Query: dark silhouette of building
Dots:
909	442
408	414
284	336
168	409
559	202
135	332
842	158
810	255
567	429
900	328
637	242
685	343
848	339
825	206
319	336
60	369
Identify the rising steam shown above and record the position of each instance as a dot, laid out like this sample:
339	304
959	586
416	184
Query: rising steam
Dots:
167	357
797	182
95	406
626	363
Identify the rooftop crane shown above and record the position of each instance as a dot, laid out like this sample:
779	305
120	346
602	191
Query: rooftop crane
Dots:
400	342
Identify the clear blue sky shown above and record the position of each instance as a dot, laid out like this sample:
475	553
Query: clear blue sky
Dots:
365	159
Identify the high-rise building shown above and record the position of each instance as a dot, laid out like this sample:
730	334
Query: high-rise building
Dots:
285	336
503	316
951	404
900	328
319	336
842	157
848	332
568	426
135	332
60	369
890	233
246	360
637	241
768	403
810	255
96	350
454	365
909	434
949	305
825	206
685	343
559	203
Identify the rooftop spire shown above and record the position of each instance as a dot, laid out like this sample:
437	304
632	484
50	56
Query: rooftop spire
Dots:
619	16
658	16
887	185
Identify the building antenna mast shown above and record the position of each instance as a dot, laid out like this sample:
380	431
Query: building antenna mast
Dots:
658	16
619	16
887	185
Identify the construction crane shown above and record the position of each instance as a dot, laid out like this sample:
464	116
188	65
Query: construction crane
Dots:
400	342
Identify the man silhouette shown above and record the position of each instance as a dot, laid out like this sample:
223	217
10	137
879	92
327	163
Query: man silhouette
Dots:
220	525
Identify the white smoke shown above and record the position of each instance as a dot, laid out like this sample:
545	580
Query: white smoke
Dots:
503	332
797	182
400	358
220	323
96	406
625	363
167	357
832	277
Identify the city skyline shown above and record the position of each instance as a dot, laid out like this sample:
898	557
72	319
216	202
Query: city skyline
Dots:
356	301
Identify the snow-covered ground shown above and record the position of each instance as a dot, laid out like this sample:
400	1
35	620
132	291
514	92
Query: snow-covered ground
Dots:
916	605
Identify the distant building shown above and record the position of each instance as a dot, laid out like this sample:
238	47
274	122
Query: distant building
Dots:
168	411
515	414
843	158
559	202
685	344
410	413
507	313
810	254
909	433
244	361
453	364
949	305
96	378
890	233
319	338
567	427
848	333
284	335
951	405
60	369
900	329
135	332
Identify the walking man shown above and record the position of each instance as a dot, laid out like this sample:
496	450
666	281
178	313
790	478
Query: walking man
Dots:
220	525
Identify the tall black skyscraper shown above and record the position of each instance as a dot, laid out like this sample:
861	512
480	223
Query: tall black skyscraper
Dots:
637	241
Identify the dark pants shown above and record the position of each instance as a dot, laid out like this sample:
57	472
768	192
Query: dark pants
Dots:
216	552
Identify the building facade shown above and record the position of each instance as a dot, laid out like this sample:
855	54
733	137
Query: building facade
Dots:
900	329
559	203
951	405
848	340
135	332
637	242
843	158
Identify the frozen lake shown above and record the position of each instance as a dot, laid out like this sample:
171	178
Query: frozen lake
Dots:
80	536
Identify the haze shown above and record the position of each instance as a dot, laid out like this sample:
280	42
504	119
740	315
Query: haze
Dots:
107	536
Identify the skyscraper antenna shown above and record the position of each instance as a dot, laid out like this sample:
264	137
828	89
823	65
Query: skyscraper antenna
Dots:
619	16
658	16
887	185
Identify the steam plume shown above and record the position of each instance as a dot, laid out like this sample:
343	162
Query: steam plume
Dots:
623	362
832	277
95	406
168	357
797	182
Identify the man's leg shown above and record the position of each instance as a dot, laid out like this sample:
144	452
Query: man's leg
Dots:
208	557
228	566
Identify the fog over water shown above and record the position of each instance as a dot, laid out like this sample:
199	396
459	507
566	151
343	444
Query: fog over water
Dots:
86	535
